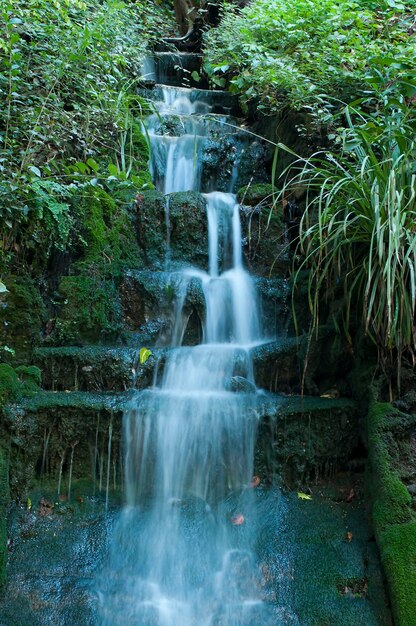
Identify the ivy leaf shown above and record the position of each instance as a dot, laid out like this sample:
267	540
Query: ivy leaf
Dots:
144	355
303	496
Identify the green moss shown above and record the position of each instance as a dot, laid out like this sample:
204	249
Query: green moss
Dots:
16	383
90	309
9	383
255	194
107	230
4	500
21	317
394	520
398	550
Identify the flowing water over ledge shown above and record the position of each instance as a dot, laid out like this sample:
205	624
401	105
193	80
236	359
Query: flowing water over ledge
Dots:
198	542
189	441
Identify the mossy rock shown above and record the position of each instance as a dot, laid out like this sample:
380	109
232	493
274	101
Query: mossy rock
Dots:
263	231
151	228
22	316
260	193
188	228
23	381
393	517
107	231
90	310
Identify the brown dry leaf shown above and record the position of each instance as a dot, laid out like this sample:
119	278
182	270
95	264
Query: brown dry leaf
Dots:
237	520
45	507
348	536
351	495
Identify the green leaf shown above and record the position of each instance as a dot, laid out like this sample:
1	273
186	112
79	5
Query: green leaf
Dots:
303	496
93	165
195	76
144	355
112	169
35	170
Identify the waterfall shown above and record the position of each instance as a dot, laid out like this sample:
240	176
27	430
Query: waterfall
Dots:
183	551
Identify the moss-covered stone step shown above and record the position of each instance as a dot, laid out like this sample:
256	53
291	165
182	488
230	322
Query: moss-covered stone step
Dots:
302	438
62	437
94	368
148	295
103	368
276	365
298	438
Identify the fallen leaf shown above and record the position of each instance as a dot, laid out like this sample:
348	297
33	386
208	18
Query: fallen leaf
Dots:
46	507
304	496
348	536
144	355
28	504
237	520
351	495
255	481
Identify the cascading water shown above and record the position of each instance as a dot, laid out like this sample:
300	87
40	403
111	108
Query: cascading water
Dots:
183	551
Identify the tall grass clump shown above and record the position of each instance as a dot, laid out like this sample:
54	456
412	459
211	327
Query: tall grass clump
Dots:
358	230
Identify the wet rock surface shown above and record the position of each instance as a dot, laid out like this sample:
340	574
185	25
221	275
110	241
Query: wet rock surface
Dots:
322	543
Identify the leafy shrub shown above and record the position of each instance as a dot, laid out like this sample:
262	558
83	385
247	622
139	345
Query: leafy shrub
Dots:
68	110
303	53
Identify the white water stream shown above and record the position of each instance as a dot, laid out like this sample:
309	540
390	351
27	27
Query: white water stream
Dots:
183	551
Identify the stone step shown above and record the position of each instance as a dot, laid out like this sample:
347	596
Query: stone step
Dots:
222	102
94	368
302	438
103	369
187	242
299	438
155	295
180	69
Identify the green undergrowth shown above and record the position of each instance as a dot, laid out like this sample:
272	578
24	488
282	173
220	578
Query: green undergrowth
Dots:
89	308
72	160
308	54
393	518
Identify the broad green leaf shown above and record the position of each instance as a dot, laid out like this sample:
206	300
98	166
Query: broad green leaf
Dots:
144	355
35	170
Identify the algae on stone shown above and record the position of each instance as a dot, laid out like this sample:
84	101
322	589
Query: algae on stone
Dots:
393	517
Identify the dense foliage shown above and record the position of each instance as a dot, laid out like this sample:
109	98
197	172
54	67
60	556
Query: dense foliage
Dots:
306	53
358	232
72	157
68	110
